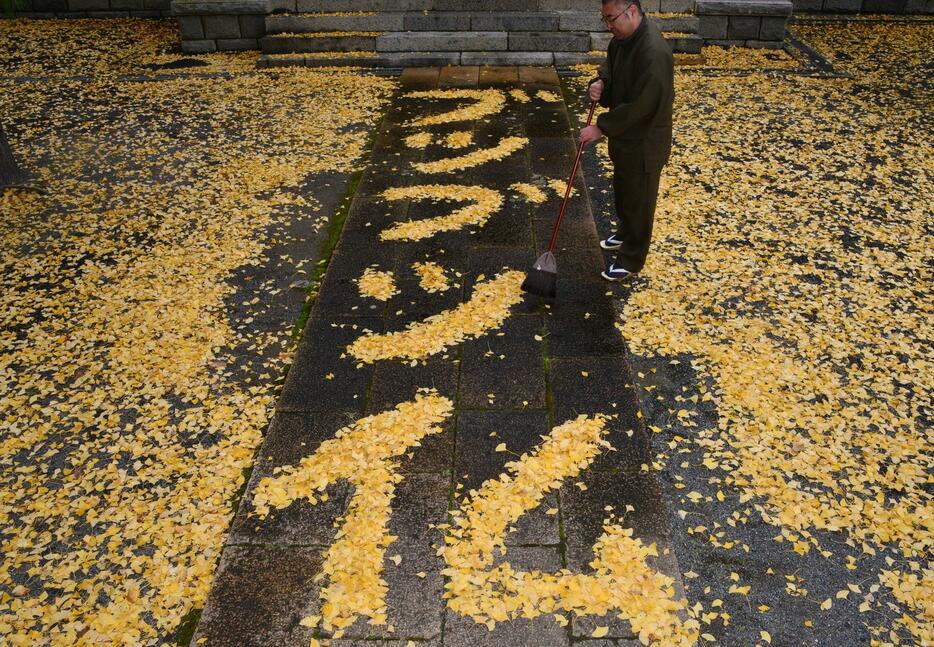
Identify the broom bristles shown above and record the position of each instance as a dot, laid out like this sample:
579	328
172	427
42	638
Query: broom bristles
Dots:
542	279
541	283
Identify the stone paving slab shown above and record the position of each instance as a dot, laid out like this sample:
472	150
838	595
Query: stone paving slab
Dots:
545	364
292	436
397	382
505	370
520	632
317	381
510	227
414	600
260	594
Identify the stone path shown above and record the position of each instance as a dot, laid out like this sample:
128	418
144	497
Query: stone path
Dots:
544	365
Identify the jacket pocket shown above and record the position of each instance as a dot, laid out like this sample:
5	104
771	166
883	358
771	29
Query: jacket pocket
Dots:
656	148
627	155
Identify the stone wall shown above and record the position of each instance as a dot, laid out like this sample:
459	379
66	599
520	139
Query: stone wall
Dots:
221	25
743	23
865	6
93	8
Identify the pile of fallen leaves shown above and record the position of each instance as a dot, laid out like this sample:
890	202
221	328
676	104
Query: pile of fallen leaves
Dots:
489	306
791	262
377	284
484	204
135	378
622	582
103	47
362	453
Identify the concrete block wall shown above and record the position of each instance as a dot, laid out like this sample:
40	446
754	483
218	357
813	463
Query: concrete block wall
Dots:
760	24
220	25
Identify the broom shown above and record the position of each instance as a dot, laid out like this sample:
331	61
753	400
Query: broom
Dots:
542	279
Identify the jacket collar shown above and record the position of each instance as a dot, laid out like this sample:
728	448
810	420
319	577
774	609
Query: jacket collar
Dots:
635	36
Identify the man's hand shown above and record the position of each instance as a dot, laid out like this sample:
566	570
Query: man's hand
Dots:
596	90
589	135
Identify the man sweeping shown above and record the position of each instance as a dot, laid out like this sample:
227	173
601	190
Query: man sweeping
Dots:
637	85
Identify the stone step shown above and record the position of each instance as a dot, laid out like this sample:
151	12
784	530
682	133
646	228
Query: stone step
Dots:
681	43
350	6
359	59
440	41
403	21
427	41
276	56
440	5
671	20
287	43
443	41
581	7
685	43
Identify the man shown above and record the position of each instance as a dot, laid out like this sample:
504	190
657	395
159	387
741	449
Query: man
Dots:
637	85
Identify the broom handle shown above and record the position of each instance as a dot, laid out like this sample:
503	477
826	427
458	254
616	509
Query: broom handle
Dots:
567	192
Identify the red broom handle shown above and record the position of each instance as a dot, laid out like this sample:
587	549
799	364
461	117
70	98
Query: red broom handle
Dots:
567	192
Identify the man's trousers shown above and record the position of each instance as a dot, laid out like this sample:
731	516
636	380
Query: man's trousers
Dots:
635	195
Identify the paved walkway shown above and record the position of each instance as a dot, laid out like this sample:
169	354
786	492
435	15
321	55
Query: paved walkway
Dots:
499	390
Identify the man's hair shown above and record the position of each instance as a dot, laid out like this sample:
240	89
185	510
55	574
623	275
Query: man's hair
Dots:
638	3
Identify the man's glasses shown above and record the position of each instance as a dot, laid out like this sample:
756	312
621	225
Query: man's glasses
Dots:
607	21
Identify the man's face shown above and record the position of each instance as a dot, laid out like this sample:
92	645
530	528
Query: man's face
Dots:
621	18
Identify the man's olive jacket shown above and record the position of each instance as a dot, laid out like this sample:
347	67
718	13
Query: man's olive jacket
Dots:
639	90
